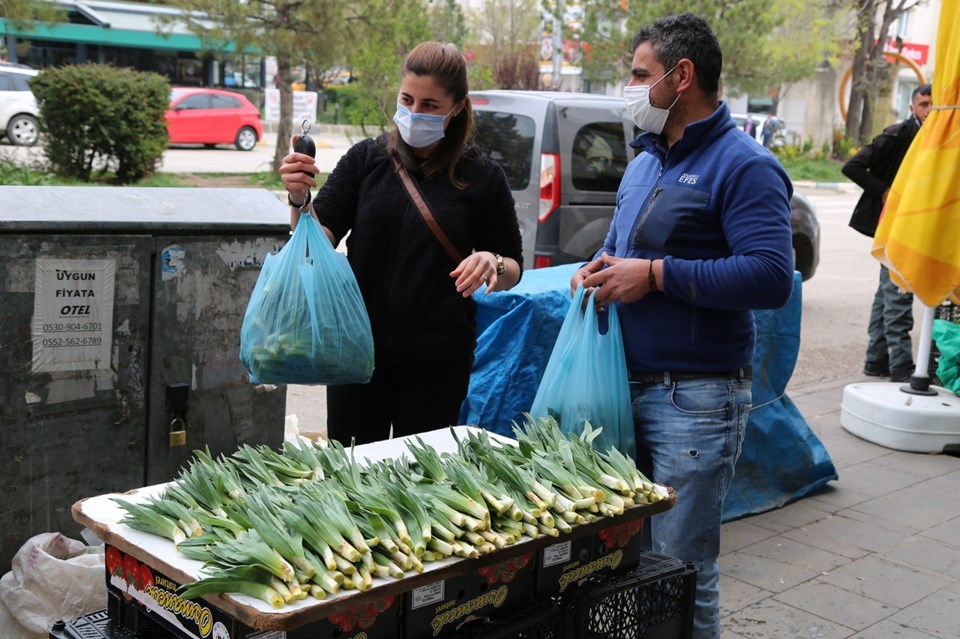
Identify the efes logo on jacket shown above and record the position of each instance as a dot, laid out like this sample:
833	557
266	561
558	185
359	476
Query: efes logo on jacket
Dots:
687	178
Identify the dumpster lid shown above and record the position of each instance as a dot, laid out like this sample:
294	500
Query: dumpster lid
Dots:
119	209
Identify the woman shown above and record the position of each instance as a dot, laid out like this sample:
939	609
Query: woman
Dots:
417	296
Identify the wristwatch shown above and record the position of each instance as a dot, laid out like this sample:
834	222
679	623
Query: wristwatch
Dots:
501	267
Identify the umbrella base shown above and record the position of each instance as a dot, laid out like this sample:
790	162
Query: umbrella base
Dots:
885	414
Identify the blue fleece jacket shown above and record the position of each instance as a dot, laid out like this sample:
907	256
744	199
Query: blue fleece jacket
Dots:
716	208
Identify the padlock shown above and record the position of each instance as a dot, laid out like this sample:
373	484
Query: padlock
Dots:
178	433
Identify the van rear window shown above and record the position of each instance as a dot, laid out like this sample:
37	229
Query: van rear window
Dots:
507	139
599	157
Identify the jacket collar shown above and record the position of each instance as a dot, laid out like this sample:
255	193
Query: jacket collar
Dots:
695	134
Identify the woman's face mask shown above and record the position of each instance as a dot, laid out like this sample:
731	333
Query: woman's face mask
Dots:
419	130
645	115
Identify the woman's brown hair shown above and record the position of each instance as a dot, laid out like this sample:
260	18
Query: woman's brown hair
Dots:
444	63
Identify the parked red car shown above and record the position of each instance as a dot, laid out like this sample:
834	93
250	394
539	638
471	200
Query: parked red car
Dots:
211	117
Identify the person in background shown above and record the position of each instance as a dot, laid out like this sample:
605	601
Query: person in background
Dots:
699	238
418	298
889	348
750	127
769	128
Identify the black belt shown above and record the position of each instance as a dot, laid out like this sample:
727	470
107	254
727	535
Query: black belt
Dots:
657	377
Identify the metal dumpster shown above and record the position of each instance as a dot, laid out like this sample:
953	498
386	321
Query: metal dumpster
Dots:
120	314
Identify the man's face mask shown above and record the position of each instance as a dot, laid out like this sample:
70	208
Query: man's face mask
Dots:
645	115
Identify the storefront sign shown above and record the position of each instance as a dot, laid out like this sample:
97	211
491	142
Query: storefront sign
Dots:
72	314
916	52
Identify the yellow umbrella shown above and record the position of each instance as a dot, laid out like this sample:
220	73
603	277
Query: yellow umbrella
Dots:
918	237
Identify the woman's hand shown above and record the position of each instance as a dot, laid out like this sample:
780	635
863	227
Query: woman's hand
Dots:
297	173
475	270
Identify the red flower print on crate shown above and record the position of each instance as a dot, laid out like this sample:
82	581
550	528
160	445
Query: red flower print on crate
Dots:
620	536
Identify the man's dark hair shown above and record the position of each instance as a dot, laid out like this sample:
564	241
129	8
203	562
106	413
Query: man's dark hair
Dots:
684	36
923	89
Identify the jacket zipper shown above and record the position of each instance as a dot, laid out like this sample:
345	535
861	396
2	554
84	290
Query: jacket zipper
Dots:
650	202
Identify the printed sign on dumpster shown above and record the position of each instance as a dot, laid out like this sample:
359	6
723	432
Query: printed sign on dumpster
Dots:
72	314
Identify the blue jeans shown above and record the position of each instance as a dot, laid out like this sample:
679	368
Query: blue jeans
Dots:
891	320
689	436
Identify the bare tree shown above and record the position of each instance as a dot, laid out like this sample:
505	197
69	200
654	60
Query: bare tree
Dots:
509	31
874	19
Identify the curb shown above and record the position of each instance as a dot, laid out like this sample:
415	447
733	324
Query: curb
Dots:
846	187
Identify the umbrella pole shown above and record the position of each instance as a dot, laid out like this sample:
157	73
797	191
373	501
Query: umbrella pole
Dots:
920	380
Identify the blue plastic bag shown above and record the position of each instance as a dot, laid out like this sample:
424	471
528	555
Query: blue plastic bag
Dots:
306	322
586	378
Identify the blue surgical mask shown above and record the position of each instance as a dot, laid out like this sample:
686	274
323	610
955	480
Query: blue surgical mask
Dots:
419	130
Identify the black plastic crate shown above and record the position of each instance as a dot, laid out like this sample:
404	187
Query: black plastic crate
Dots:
99	625
654	602
546	620
948	312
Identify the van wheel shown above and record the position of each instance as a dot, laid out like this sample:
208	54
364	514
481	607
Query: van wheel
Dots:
23	130
246	139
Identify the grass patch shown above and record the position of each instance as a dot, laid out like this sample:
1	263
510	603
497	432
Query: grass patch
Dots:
160	180
812	169
269	180
12	173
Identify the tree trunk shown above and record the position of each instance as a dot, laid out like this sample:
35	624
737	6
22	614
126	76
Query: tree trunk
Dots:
285	126
858	88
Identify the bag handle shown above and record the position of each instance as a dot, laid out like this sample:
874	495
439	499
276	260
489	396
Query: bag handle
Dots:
414	193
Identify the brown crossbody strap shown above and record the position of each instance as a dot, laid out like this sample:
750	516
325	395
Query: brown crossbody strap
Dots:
424	209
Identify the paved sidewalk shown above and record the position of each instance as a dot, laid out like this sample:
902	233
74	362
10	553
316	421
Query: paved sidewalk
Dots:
873	555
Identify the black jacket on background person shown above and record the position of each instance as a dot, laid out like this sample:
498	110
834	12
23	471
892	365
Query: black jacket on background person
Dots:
873	169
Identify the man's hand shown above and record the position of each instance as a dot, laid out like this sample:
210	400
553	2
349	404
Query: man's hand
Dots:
582	273
617	279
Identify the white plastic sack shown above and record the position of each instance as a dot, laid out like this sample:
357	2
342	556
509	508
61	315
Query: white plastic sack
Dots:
52	577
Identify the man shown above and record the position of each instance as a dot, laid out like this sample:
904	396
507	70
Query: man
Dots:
700	236
889	349
769	128
750	126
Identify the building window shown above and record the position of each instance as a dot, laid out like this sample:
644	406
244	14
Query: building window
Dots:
189	72
903	25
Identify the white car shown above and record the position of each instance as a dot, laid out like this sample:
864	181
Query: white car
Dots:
18	108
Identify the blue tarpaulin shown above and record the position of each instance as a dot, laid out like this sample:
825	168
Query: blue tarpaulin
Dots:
782	459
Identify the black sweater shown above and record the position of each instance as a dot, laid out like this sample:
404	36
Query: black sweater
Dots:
403	271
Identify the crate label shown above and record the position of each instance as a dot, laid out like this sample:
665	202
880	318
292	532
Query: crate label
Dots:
426	595
609	561
494	598
557	554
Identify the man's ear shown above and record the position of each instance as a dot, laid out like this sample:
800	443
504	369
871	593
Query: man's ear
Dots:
686	75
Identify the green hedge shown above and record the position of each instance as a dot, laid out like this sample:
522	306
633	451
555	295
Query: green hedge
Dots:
99	118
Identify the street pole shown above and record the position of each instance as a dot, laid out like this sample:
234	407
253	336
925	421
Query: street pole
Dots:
557	44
